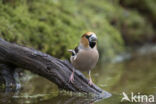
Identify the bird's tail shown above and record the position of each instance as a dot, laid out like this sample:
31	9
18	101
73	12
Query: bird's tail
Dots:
72	51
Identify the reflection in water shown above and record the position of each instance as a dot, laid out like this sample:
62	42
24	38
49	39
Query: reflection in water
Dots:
135	75
16	98
41	91
69	100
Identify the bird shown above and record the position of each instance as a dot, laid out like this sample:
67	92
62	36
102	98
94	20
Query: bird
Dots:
85	56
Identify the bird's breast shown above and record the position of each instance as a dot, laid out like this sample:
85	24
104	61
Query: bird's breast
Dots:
86	60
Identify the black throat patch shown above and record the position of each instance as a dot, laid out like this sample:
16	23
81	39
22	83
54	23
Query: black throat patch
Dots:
92	44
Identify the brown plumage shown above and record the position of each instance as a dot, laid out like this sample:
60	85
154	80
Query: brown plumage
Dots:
85	56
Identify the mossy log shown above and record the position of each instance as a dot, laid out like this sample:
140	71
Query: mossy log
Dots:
55	70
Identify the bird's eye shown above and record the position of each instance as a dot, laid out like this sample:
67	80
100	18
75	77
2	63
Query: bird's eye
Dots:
87	36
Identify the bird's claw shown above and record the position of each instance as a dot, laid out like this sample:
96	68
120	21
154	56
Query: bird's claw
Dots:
71	79
90	82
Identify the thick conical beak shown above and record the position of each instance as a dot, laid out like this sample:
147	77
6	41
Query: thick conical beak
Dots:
92	38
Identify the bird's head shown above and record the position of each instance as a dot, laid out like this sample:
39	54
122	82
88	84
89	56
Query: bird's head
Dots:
89	39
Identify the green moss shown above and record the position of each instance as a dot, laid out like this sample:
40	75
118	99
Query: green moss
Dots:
54	26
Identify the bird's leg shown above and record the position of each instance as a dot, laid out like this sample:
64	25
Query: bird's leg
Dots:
71	79
90	79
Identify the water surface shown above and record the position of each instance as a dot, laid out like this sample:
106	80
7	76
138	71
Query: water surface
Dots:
135	75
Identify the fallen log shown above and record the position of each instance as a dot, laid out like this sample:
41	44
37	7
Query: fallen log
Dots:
9	78
55	70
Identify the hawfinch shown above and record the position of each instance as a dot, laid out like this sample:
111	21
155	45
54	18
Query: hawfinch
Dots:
85	56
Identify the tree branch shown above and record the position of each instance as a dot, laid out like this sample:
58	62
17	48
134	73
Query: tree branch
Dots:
55	70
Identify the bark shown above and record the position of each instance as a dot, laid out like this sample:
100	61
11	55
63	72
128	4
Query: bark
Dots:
55	70
9	78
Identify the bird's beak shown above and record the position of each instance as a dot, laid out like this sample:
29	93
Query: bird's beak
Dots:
93	38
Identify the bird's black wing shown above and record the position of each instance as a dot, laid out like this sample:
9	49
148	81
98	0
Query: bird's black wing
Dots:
76	50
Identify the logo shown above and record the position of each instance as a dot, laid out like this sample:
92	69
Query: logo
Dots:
137	98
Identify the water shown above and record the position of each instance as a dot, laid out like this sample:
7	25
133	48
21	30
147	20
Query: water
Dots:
136	75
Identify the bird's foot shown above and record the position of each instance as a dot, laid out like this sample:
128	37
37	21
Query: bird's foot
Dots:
90	82
71	79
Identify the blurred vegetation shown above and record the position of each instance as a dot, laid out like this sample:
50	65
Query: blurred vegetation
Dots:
144	23
54	26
